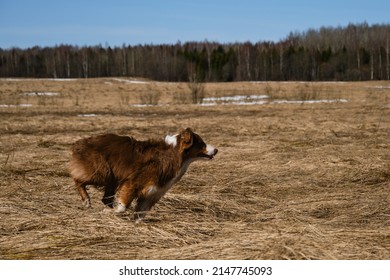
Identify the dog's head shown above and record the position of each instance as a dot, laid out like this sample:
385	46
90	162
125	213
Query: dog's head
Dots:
191	145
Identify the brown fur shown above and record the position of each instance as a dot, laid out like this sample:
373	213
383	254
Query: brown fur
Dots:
129	169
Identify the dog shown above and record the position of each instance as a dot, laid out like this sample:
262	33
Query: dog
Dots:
128	169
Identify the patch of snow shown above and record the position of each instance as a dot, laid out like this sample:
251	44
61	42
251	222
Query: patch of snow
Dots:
309	101
144	105
249	103
18	105
87	115
61	80
382	87
130	81
298	82
329	82
41	93
12	79
260	100
137	82
239	103
37	79
235	100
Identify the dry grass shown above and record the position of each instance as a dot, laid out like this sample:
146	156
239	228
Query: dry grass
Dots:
290	181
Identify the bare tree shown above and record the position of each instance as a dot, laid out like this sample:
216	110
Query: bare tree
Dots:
353	52
197	89
387	56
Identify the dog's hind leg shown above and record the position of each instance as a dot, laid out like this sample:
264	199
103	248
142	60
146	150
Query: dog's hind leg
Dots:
81	187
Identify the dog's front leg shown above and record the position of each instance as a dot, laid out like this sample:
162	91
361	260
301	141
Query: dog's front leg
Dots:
124	196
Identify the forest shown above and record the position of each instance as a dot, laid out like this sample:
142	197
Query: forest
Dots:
355	52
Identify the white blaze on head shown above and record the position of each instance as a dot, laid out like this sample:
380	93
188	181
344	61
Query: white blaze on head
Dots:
171	140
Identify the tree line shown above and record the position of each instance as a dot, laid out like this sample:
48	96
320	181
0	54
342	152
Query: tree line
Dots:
354	52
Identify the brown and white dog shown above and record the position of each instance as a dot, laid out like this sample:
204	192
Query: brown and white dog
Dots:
129	169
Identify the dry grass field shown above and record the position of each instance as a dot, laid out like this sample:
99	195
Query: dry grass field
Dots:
292	180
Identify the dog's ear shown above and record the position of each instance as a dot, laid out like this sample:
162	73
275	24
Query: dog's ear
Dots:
186	139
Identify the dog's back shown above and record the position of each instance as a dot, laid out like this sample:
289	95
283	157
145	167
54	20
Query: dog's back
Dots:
91	159
108	160
90	162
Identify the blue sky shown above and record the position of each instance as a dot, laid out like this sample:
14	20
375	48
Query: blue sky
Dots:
27	23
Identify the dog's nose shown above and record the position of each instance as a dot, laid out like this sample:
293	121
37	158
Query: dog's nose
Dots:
215	151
